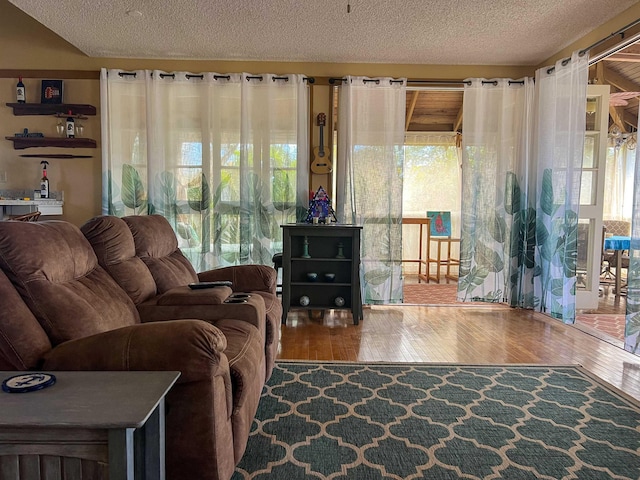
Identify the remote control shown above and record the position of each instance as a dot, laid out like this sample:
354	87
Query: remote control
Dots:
199	285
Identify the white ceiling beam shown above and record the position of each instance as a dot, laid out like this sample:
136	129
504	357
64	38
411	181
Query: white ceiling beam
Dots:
623	57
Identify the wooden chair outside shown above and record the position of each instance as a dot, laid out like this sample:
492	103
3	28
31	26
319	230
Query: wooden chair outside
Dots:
440	234
27	217
615	228
421	222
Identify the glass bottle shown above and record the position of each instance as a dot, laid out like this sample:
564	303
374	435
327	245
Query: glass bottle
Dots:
44	181
71	127
20	94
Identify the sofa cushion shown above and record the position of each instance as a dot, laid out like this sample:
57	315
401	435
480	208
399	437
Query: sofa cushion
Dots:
245	352
157	246
113	245
59	279
23	342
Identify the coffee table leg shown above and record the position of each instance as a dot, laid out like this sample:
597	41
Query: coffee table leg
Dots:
121	454
152	453
139	454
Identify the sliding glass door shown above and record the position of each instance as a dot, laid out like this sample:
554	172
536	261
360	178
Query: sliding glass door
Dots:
591	198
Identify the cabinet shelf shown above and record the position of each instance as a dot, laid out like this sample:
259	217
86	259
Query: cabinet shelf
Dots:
321	284
20	109
327	306
20	143
318	259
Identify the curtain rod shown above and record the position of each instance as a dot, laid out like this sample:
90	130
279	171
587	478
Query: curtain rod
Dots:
620	32
334	80
215	77
441	82
434	82
614	34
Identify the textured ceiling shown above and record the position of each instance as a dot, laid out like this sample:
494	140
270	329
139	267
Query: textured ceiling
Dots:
453	32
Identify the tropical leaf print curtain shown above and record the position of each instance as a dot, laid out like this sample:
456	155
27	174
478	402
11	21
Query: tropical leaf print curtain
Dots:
498	209
522	158
222	157
632	328
559	146
369	193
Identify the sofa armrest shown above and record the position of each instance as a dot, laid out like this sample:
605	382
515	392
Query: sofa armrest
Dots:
251	310
187	296
245	278
193	347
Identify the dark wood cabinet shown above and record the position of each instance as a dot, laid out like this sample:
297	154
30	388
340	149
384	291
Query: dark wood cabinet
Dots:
321	249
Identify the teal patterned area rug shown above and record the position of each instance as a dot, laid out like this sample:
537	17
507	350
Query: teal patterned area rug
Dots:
408	421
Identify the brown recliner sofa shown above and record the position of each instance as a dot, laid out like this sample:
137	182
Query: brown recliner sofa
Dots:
141	253
62	311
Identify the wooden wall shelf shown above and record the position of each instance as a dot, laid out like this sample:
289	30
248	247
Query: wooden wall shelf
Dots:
51	109
20	143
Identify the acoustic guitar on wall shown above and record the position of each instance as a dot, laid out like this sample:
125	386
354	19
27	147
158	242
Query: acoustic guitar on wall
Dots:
321	155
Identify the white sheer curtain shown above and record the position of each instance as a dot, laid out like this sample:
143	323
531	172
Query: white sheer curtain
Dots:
369	193
222	157
632	327
618	181
560	131
522	159
497	207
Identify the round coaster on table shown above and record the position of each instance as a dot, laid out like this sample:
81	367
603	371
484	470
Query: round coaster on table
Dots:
28	382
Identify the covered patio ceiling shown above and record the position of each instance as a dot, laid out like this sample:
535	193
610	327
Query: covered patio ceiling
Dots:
622	72
441	110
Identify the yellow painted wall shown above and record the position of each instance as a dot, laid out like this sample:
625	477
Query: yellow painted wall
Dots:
80	179
27	46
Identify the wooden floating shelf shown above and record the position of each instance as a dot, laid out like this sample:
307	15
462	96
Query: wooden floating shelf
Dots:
51	108
54	155
20	143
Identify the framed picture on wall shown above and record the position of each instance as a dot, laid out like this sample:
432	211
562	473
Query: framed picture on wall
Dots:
440	224
51	91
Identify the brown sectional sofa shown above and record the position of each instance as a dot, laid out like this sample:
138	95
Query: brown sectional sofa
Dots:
141	253
62	311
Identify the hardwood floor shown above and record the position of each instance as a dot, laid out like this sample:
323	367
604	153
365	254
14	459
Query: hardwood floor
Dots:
454	334
608	304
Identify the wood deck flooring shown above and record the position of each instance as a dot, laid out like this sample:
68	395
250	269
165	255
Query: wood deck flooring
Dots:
452	334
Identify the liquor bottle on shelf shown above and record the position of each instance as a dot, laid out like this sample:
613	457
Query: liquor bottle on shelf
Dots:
20	94
44	181
71	126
